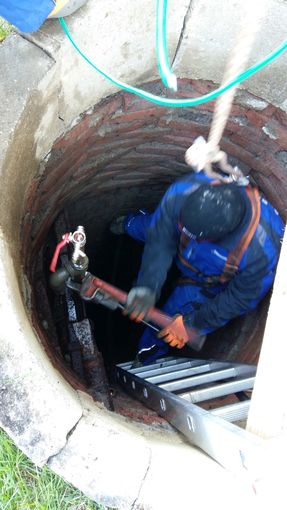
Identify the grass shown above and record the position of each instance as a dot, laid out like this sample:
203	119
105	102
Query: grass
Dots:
23	486
5	29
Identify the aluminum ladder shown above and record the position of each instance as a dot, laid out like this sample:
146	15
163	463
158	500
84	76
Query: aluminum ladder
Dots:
174	388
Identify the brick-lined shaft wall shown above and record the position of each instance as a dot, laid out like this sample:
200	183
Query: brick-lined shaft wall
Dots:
123	153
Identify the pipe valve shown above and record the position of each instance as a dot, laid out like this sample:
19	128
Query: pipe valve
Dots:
78	239
76	267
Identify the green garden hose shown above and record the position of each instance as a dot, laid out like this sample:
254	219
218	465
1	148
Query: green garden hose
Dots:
167	76
164	101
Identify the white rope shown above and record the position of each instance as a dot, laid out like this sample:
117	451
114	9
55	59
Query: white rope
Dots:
201	155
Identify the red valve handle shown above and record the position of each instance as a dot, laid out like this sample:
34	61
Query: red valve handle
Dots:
60	245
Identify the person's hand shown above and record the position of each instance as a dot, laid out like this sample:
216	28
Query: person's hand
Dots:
139	301
117	226
178	334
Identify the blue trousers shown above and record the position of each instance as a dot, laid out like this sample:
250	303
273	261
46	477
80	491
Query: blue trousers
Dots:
182	300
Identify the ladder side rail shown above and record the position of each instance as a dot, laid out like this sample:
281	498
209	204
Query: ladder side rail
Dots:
230	446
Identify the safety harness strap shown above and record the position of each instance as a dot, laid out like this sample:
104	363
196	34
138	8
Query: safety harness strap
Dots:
235	256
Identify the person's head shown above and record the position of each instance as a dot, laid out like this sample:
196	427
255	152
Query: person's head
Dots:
213	212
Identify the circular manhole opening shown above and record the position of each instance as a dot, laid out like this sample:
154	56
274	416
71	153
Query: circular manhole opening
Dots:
118	158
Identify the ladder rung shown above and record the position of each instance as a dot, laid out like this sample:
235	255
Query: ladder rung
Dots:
151	370
179	374
199	368
219	390
125	366
171	364
197	380
160	363
148	374
233	412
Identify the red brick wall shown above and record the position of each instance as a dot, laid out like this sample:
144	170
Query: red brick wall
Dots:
125	152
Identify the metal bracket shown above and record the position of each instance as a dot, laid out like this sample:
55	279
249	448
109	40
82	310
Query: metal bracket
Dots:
99	296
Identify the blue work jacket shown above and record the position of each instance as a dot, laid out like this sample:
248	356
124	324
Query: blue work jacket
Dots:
256	270
26	15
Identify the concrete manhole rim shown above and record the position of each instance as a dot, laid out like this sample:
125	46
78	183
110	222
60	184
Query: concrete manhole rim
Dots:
57	441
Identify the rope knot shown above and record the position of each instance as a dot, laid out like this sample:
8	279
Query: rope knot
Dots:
201	155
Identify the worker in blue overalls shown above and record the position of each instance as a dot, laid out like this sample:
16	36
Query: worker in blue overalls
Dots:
225	239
